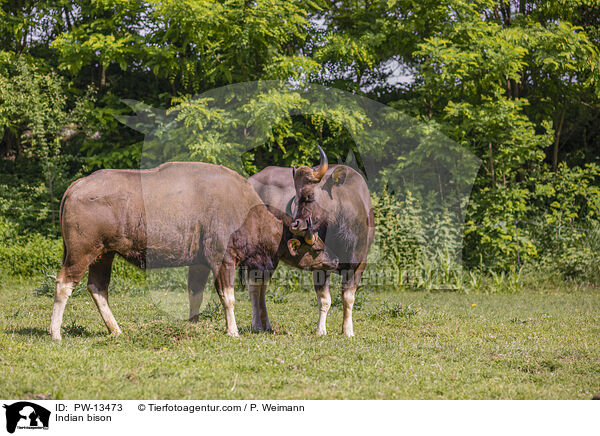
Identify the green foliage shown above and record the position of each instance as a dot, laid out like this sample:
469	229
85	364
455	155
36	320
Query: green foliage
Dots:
422	247
568	206
540	216
31	256
399	231
107	32
27	255
516	83
35	115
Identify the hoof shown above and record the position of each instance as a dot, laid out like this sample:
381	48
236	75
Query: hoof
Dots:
193	319
233	333
321	332
55	334
258	328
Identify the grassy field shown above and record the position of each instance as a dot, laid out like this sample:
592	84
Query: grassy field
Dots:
408	345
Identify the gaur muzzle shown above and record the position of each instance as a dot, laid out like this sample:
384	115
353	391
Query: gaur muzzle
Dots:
305	228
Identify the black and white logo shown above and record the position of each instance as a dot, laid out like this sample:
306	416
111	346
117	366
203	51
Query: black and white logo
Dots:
26	415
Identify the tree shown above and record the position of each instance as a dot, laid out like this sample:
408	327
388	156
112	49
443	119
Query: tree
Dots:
34	113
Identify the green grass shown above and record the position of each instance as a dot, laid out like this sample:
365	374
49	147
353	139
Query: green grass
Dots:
408	345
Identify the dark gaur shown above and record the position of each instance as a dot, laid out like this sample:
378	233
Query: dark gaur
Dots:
333	209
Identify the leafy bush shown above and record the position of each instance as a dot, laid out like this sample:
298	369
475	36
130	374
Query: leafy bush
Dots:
545	216
29	256
422	247
399	231
574	253
36	255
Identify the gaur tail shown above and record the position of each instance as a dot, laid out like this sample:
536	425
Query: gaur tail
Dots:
60	216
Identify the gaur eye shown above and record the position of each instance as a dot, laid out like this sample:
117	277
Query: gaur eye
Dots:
309	197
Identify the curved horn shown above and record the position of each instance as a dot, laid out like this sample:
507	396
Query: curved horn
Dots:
311	236
293	172
320	171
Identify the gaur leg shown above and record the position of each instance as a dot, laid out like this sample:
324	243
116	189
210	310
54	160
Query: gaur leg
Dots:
247	279
321	284
264	315
224	281
257	288
350	280
254	290
68	277
98	281
197	277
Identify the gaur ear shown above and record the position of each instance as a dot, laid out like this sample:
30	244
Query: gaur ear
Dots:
339	176
293	245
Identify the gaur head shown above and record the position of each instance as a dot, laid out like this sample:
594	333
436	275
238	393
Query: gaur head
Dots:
309	251
297	251
311	186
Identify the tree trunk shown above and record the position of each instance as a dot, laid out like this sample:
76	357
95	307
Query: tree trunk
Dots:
102	75
557	132
492	166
